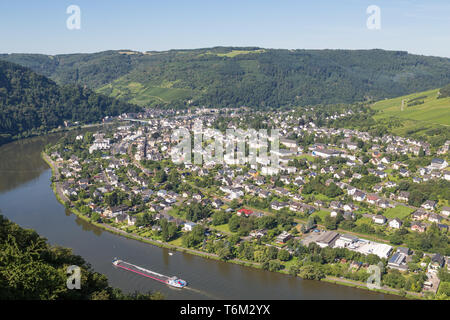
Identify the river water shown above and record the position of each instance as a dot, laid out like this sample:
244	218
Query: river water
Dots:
27	199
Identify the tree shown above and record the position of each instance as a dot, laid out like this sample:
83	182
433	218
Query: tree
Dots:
168	230
225	253
267	222
333	190
220	217
311	272
234	239
95	216
311	223
234	223
234	204
260	256
394	279
396	238
416	198
283	255
403	186
196	211
32	269
271	252
294	270
160	176
194	237
421	153
112	199
274	265
330	223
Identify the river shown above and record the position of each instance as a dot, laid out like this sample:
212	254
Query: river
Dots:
27	198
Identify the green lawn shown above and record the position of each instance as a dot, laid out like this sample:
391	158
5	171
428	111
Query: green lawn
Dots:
222	227
322	197
305	156
363	220
400	212
176	242
288	264
322	214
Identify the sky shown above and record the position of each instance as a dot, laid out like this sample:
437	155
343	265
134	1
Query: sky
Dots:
40	26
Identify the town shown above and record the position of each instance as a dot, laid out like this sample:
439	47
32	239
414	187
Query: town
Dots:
338	201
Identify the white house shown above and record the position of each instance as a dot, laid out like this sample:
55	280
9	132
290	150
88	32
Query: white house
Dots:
269	170
395	223
438	164
351	190
429	205
288	143
188	226
447	175
445	211
325	153
359	196
379	219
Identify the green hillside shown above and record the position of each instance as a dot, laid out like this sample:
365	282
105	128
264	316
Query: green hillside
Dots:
91	69
417	112
146	94
250	76
31	103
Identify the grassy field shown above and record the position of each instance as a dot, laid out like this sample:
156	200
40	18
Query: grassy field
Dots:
222	227
234	53
432	113
305	156
322	197
400	212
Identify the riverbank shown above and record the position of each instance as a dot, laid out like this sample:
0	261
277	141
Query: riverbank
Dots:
55	130
64	200
362	285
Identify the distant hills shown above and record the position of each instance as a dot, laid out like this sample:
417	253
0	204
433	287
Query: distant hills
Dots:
32	103
254	77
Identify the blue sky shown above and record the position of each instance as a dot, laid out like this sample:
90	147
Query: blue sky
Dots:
416	26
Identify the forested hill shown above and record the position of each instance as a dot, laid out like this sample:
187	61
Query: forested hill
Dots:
32	269
255	77
31	103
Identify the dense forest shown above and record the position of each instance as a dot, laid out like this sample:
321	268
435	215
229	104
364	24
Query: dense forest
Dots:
31	103
30	268
255	77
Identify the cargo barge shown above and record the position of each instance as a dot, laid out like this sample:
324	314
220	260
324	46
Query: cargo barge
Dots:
171	281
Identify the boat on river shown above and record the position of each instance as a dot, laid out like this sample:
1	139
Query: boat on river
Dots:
171	281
